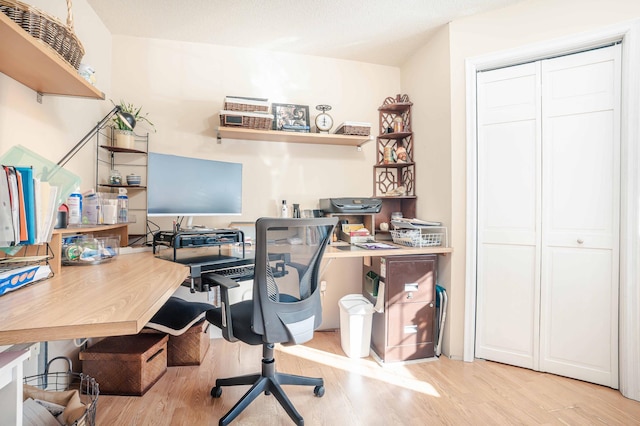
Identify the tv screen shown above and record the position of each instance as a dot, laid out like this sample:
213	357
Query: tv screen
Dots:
184	186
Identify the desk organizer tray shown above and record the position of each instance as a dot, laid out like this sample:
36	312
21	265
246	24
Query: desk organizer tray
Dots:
433	236
87	250
250	120
354	128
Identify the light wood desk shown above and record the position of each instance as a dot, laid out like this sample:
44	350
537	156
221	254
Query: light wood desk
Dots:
334	251
115	298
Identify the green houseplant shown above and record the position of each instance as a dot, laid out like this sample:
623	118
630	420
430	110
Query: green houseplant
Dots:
124	136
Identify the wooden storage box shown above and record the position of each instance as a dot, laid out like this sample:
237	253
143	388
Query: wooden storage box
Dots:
190	347
126	365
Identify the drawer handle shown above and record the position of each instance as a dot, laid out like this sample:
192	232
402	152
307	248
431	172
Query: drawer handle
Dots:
411	287
155	355
410	329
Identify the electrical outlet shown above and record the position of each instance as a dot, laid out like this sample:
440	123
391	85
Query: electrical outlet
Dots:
323	286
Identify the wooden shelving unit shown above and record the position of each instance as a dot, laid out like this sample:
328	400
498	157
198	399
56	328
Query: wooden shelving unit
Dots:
290	137
388	176
38	66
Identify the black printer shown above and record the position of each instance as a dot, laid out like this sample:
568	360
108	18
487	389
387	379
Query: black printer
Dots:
351	205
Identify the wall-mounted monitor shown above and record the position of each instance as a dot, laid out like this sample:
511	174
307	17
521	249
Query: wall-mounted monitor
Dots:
184	186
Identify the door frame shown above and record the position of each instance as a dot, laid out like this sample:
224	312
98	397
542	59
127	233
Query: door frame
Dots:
629	294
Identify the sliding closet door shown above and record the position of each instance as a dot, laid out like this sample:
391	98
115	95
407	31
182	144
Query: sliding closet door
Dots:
508	215
580	225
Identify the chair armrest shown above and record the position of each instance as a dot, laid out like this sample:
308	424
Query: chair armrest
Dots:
225	285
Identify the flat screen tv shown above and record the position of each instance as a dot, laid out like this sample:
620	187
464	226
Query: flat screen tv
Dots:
184	186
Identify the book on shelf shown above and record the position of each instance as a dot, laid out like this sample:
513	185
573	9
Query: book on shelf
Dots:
295	128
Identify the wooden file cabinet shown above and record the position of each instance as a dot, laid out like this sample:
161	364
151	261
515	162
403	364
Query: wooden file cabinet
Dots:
406	330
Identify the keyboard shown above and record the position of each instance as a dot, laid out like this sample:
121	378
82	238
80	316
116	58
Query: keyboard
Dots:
236	273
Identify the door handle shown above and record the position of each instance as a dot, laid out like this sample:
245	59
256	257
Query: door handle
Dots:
580	241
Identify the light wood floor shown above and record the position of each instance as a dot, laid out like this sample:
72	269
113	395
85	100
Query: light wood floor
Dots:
361	392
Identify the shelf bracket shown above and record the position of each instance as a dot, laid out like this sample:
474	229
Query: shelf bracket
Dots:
39	97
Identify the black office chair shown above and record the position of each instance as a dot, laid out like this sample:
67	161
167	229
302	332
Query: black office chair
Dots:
285	307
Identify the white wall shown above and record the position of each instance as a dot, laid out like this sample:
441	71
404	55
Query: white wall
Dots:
56	125
183	85
526	23
426	78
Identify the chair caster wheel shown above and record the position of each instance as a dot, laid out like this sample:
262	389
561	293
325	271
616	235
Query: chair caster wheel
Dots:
318	391
216	391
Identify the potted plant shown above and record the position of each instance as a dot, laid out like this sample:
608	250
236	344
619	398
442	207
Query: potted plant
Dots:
124	136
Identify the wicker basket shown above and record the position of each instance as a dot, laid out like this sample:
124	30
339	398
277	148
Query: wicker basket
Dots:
46	28
353	128
237	103
249	120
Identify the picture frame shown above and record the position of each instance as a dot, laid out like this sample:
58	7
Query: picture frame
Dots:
291	117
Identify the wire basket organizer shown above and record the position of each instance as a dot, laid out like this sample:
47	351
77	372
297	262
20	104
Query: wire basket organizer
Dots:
68	380
432	236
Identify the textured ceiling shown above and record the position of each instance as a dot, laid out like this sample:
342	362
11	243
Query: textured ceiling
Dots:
376	31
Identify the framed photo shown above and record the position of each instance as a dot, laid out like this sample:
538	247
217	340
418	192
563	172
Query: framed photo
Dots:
291	117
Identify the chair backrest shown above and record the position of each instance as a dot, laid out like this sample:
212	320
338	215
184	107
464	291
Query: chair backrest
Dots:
286	294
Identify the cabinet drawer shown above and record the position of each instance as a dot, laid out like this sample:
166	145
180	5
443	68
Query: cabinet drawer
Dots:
411	279
411	324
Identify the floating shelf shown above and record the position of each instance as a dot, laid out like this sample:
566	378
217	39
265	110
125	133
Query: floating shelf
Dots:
38	66
291	137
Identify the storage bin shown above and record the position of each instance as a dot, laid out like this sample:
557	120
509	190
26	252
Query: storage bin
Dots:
190	347
354	128
126	365
250	120
240	103
356	315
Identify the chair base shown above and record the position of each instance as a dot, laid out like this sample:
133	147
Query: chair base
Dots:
268	382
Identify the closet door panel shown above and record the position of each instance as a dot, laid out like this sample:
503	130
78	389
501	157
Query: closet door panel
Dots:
577	327
508	216
507	306
580	232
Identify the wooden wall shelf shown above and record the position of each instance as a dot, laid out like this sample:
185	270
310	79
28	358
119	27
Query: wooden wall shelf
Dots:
291	137
38	66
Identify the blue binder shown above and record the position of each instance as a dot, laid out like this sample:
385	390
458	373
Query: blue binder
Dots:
29	203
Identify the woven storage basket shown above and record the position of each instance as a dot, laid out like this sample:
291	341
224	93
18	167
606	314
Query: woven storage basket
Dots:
249	120
46	28
352	128
234	103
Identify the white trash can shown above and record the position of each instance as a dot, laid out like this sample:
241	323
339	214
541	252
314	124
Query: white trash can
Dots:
356	315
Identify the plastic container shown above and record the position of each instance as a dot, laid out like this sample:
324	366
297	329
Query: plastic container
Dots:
356	316
123	206
44	169
74	202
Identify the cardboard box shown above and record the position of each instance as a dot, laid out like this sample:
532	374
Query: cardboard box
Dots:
190	347
126	365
